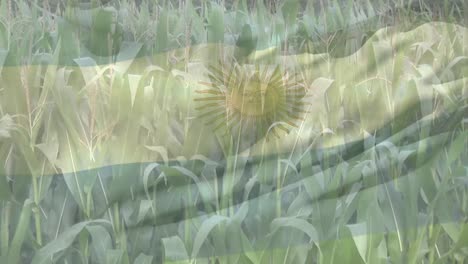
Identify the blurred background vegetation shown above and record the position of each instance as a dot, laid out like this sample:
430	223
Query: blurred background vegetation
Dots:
92	28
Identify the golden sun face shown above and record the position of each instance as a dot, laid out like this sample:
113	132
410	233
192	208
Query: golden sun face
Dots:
251	103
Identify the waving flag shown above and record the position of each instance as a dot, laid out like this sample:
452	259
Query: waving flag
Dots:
233	132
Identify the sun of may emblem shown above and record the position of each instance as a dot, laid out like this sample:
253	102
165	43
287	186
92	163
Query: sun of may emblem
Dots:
252	101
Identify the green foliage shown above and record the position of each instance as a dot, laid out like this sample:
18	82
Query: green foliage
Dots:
106	159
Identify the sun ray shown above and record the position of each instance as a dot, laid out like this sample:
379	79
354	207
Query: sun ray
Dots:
254	101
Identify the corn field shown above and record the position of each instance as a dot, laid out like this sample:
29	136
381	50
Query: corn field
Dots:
233	131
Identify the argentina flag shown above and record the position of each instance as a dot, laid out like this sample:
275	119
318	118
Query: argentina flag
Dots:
233	131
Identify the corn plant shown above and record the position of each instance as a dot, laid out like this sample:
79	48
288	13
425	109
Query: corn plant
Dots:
233	131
